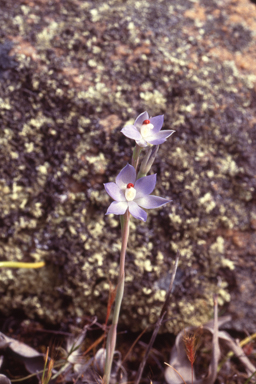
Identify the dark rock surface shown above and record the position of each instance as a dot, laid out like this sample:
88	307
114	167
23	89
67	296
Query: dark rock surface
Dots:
77	71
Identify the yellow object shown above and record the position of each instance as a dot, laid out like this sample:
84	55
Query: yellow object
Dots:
18	264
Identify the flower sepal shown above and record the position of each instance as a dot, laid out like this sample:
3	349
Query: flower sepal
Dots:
146	131
133	195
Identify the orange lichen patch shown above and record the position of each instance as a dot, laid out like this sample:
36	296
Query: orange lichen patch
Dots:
110	123
80	79
197	12
143	49
194	32
243	12
156	64
69	71
253	221
32	3
207	44
245	61
123	50
216	13
59	52
252	123
222	53
98	179
100	26
240	239
73	186
190	30
235	19
238	12
23	47
82	82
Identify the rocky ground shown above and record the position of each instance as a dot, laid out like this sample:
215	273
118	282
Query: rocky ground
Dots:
72	73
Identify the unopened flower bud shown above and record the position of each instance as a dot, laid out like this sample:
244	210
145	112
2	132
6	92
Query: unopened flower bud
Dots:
148	160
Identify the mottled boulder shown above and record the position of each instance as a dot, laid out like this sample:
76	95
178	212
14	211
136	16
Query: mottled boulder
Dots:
72	74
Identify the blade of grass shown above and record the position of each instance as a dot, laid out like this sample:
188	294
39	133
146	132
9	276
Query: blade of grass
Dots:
45	363
133	344
230	354
215	344
94	344
56	365
249	378
158	323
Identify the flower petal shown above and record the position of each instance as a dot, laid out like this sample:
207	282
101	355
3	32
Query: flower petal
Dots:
150	202
132	132
144	186
126	176
142	143
157	121
117	208
114	191
136	211
139	120
159	137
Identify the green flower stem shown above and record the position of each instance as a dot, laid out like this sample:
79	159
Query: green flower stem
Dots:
18	264
111	340
136	155
148	161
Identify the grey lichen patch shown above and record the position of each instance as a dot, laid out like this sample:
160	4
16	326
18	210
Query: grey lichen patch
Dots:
153	100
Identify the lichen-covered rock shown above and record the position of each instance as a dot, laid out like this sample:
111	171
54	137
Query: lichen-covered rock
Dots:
74	75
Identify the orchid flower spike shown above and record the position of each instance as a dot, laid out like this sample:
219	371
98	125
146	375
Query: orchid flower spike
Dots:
132	194
146	130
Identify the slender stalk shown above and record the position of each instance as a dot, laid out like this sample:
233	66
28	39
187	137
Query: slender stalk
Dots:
158	323
148	161
136	155
111	340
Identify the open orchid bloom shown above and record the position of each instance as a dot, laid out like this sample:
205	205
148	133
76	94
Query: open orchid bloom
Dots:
132	194
146	130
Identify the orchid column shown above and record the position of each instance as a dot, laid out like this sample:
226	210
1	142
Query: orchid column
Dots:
131	193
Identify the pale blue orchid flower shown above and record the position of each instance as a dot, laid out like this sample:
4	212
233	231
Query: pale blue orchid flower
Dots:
146	130
133	194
